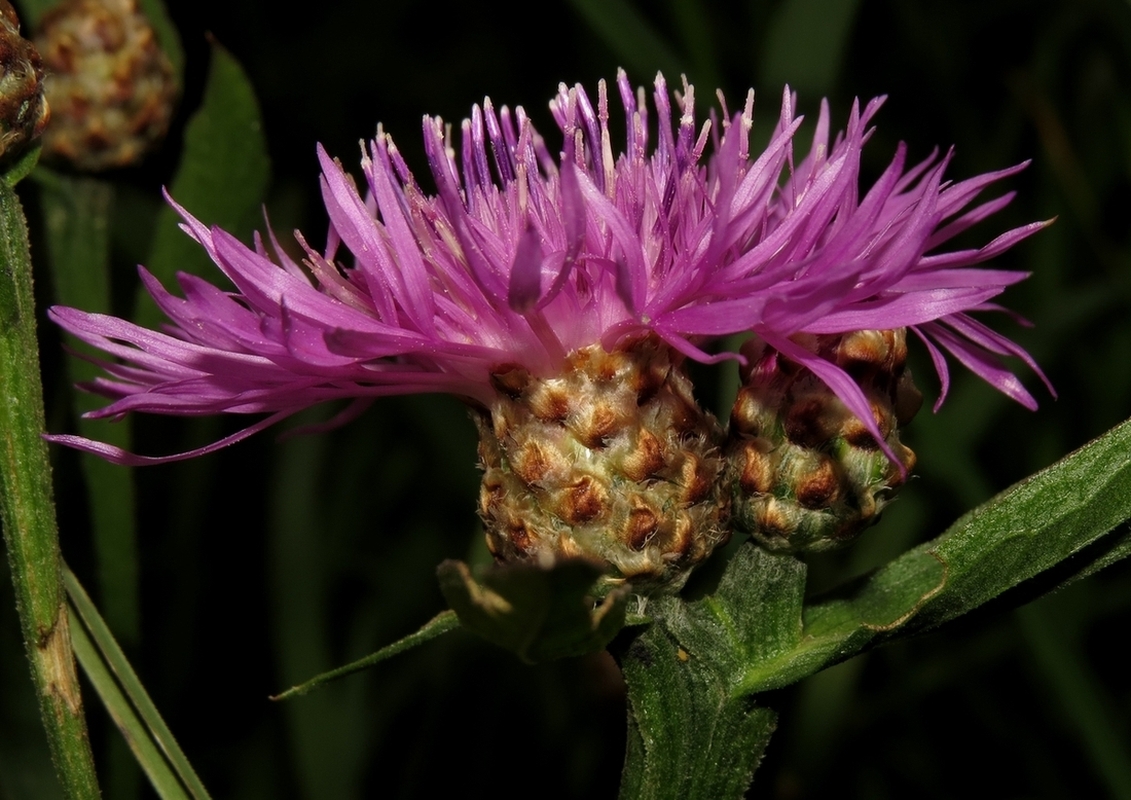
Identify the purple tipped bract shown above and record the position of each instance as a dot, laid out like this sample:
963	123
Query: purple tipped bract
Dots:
521	257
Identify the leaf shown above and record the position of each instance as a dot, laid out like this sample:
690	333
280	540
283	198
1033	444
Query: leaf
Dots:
538	613
21	167
1050	529
1034	527
686	717
440	624
156	768
222	177
755	614
689	737
76	213
694	673
127	701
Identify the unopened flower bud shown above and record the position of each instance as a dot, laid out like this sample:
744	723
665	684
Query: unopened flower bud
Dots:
23	109
806	474
612	460
111	87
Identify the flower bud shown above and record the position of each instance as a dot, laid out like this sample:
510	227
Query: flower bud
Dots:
112	89
611	460
805	473
23	109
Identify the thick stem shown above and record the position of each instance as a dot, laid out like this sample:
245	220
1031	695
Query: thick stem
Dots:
28	512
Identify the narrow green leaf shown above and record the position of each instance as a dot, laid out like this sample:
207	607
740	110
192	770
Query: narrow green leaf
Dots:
222	178
22	166
76	212
1031	527
326	730
440	624
538	613
152	762
1049	529
144	719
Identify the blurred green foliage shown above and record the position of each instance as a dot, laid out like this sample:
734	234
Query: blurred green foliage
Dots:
274	560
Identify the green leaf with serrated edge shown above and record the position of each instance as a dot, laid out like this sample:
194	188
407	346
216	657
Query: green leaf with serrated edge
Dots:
440	624
1049	529
221	180
125	697
538	613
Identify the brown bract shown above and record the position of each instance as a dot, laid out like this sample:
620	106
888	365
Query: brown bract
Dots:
23	109
806	474
610	460
112	89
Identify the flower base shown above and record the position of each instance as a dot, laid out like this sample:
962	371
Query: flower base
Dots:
612	460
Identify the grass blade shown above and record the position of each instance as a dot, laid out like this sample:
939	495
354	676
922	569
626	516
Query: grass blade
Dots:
141	720
151	759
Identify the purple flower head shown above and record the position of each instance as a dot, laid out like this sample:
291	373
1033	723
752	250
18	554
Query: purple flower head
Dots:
522	258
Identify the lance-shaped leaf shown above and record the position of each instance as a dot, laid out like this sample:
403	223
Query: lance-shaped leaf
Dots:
128	703
1054	527
222	176
538	613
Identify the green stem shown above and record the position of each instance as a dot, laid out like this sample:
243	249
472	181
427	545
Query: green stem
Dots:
30	532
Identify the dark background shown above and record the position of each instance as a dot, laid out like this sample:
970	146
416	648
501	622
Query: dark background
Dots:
272	561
